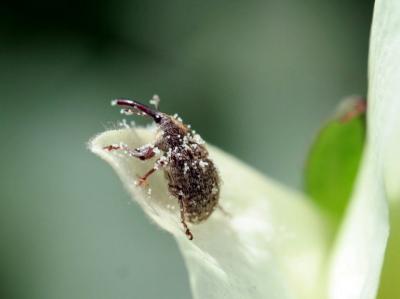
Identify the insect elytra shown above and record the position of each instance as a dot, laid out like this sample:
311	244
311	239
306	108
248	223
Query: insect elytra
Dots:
192	177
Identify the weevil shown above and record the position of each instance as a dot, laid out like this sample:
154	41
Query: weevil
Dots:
192	177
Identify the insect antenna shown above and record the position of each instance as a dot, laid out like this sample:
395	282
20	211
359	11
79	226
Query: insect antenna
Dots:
138	107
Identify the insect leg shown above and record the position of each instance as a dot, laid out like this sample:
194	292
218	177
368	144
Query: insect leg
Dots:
143	179
143	153
188	233
223	211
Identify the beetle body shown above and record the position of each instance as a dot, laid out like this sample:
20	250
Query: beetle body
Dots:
192	177
191	174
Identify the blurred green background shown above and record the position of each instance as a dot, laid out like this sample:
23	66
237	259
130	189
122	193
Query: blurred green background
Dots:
256	78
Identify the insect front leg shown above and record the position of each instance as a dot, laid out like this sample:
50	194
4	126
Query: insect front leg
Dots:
143	153
157	165
188	233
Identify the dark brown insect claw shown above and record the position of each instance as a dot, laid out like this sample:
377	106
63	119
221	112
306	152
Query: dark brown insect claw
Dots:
111	147
189	234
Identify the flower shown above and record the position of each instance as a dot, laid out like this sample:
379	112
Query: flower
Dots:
276	243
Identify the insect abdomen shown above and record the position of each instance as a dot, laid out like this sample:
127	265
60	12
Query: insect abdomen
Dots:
197	182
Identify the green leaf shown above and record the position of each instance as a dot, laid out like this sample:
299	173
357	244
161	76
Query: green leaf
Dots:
335	156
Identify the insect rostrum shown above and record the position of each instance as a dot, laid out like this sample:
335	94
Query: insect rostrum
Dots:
192	177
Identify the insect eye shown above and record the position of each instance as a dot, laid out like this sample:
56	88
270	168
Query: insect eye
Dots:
157	118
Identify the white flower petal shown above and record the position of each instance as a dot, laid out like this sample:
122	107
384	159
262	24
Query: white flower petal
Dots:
272	245
385	88
385	92
360	249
